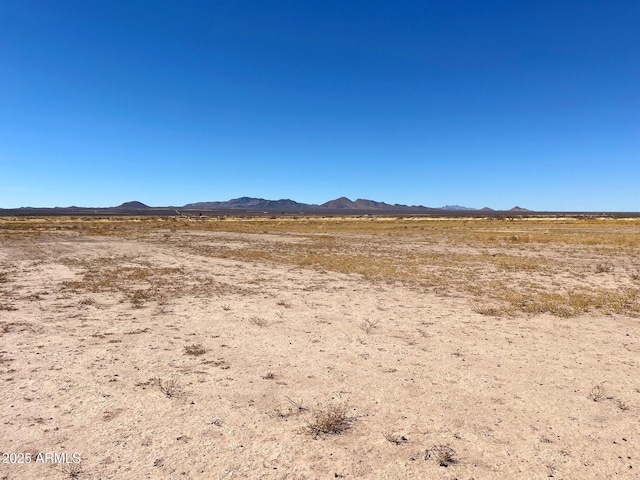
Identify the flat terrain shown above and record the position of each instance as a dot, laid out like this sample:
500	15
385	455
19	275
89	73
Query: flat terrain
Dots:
361	348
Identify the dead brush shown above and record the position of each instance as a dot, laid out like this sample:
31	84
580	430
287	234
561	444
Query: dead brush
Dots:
443	454
394	438
331	420
598	393
170	388
87	301
139	297
295	408
369	325
606	267
488	310
72	470
258	321
194	350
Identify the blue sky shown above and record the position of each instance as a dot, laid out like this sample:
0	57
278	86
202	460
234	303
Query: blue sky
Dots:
474	103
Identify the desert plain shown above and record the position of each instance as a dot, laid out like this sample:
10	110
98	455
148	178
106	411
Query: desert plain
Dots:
309	347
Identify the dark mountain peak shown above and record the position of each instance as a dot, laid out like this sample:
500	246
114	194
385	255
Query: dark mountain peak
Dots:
487	209
342	202
519	209
135	205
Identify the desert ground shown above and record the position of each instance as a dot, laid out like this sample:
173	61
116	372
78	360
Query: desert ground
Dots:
303	348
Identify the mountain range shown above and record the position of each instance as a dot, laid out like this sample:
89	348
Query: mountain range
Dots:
342	203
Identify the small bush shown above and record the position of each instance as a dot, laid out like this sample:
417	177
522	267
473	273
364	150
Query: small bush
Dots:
195	350
598	393
331	420
604	267
443	454
170	387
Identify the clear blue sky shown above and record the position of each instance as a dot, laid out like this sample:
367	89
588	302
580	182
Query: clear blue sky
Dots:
477	103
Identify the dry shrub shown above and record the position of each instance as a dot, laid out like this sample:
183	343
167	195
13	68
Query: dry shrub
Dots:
443	454
139	297
369	325
194	350
605	267
331	420
170	388
598	393
260	322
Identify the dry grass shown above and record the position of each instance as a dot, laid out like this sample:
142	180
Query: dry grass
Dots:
258	321
505	265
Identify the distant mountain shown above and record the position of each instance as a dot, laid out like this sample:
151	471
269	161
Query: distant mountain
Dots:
343	203
456	207
252	203
130	206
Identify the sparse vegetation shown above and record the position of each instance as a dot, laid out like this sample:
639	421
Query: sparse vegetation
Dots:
96	310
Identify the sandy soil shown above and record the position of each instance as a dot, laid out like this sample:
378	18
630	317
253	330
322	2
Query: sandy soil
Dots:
185	366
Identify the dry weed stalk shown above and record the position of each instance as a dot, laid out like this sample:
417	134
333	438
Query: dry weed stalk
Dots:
369	325
395	439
